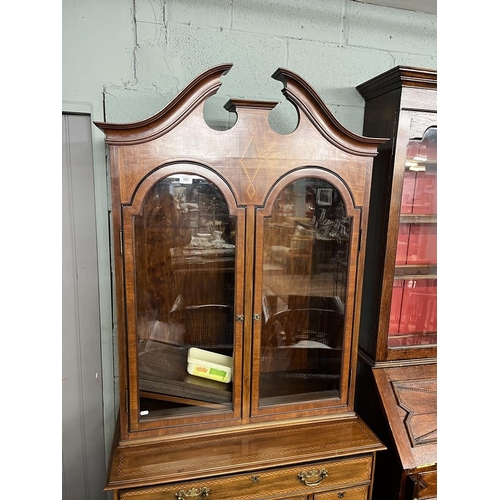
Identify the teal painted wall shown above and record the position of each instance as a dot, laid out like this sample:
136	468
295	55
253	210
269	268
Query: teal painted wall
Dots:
136	55
124	60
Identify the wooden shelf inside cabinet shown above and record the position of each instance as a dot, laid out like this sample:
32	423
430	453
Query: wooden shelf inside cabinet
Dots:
418	219
163	377
415	271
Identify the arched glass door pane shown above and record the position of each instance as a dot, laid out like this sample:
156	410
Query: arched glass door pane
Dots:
185	256
306	251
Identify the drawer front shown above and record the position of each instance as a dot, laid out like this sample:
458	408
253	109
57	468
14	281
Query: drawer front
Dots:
356	493
281	483
301	497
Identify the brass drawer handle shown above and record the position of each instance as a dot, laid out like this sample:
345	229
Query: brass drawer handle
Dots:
197	493
317	475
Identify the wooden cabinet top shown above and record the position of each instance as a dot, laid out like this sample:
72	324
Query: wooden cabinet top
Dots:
236	452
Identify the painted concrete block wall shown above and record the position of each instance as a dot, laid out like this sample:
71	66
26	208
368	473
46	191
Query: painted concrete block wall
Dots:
125	59
333	44
128	58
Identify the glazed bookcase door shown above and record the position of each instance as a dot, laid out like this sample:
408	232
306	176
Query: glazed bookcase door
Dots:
182	241
411	277
413	319
302	341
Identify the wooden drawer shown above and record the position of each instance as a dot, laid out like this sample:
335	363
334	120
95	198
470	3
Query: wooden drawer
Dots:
423	486
281	483
356	493
301	497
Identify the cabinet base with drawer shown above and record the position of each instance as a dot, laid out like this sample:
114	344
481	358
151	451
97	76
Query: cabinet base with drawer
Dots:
322	460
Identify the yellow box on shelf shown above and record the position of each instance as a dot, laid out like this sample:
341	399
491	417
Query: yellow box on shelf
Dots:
209	365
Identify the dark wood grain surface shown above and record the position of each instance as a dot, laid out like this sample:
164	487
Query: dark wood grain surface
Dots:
235	452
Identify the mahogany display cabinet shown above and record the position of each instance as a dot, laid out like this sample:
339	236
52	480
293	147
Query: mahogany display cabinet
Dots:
238	267
396	385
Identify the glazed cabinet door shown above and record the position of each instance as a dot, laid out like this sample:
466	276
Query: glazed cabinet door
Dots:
399	310
183	246
304	291
413	283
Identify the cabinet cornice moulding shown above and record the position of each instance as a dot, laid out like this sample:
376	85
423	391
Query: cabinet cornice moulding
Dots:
396	78
199	90
296	90
304	97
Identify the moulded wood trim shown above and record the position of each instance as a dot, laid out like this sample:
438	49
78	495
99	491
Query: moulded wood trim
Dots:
396	78
303	96
296	90
188	166
201	88
233	104
241	450
423	378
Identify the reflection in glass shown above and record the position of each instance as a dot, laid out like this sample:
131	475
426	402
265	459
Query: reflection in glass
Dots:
184	251
413	317
306	250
